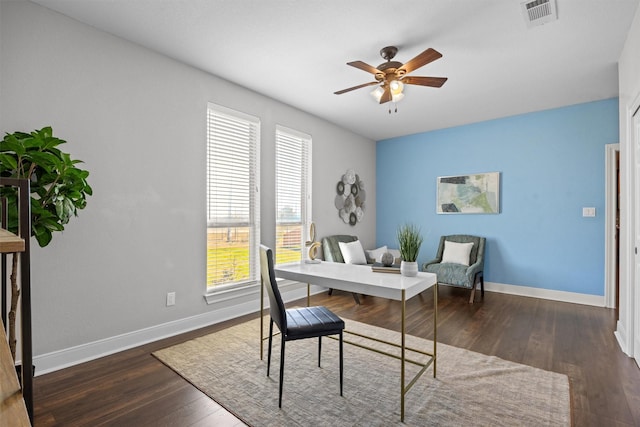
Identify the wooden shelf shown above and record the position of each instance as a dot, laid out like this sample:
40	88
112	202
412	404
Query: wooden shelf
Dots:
13	411
14	399
12	405
10	243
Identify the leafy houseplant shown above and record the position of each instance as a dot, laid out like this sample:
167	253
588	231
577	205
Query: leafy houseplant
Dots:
58	189
409	240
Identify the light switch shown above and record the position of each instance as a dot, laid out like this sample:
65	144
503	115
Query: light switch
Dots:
588	212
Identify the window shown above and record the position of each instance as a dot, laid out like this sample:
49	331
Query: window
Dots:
233	202
293	194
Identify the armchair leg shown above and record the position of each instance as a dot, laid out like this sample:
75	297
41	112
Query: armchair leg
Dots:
479	277
355	297
473	292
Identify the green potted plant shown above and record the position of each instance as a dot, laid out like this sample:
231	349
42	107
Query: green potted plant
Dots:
58	189
409	241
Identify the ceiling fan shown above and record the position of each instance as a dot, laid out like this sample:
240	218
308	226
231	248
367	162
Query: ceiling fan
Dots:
392	75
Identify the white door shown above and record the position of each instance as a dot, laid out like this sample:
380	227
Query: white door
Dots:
635	293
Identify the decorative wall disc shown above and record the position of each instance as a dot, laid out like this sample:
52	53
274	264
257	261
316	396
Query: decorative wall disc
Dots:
350	200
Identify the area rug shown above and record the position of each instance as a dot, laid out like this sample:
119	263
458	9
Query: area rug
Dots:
469	389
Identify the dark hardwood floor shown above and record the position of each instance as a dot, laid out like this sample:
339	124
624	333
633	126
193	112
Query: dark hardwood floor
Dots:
132	388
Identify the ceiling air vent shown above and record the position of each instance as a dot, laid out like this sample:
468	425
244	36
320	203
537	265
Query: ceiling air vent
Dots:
538	12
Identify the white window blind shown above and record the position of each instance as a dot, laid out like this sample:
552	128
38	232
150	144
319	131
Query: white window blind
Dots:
233	202
293	194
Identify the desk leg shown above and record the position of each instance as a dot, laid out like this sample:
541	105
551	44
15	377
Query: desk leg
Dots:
261	320
402	357
308	294
435	326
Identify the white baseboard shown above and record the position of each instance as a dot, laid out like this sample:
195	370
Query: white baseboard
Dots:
621	335
65	358
526	291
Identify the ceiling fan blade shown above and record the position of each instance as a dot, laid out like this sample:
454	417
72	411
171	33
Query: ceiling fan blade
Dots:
386	96
365	67
424	58
424	81
340	92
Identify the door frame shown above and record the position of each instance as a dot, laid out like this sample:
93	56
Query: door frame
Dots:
634	285
611	196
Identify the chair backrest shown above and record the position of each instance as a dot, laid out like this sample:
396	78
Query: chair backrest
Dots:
268	276
331	248
477	252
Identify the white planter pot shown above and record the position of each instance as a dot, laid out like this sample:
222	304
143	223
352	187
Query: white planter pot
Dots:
409	269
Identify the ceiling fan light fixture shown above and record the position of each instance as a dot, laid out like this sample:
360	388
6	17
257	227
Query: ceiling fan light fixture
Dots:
377	93
397	97
396	87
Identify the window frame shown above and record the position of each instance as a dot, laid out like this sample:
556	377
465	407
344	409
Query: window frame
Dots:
305	189
254	199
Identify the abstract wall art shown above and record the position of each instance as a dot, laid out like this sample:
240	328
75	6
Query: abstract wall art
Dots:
469	194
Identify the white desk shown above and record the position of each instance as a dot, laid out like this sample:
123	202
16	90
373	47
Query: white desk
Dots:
360	279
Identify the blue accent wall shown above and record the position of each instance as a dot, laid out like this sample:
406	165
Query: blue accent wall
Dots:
552	164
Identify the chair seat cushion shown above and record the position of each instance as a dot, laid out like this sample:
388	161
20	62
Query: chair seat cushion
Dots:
308	322
451	274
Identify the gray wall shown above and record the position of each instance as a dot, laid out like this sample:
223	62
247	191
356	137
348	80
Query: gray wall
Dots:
137	119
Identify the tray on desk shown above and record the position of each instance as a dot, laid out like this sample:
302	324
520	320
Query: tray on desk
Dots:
378	267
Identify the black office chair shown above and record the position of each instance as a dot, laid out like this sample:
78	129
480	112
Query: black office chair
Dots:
295	323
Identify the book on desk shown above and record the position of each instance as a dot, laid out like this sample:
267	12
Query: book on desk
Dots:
378	267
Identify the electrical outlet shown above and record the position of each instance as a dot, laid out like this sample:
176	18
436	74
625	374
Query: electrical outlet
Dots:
171	299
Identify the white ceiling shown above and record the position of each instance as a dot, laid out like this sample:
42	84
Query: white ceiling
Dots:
296	52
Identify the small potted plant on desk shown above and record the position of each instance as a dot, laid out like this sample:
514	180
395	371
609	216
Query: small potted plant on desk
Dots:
409	241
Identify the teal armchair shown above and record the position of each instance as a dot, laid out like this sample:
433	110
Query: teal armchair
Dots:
460	275
331	248
331	252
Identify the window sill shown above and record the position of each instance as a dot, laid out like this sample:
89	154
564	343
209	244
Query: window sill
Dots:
250	290
226	293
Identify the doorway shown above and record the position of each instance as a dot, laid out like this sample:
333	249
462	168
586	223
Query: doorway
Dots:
612	227
617	237
634	288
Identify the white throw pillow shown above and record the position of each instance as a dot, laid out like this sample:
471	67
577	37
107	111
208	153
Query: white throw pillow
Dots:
376	254
457	253
352	252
